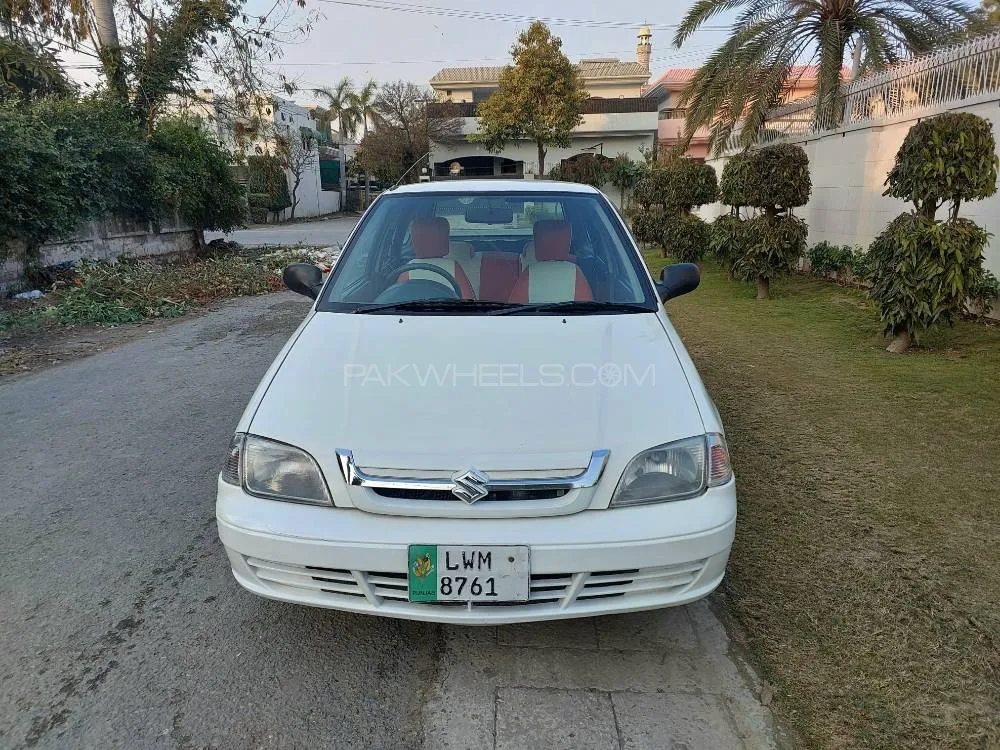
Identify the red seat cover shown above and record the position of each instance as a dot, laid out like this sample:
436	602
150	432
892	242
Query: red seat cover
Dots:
430	245
553	277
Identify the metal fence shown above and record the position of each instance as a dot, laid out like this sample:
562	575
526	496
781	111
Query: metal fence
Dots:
952	75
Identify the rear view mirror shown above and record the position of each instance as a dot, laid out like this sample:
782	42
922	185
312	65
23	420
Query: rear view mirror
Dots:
304	278
678	279
485	212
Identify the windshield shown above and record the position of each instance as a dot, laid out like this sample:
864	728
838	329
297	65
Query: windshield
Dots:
474	252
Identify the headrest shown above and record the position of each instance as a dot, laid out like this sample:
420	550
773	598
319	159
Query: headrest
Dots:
460	250
430	237
552	239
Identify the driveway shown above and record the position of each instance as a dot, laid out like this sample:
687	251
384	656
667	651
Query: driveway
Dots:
322	233
122	626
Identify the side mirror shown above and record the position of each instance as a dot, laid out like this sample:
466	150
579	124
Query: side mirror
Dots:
678	279
304	278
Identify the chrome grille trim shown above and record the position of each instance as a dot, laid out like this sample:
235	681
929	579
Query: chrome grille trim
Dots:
359	478
560	590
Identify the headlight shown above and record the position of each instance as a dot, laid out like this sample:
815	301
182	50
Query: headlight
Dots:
674	471
274	470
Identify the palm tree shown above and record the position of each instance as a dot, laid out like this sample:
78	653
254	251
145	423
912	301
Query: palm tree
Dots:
746	77
339	108
362	104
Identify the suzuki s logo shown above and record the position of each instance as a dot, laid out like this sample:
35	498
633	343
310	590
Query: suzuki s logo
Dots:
470	486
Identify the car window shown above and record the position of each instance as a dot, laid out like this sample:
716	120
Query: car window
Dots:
502	248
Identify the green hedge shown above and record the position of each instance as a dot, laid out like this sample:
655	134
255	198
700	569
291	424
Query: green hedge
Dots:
773	247
267	177
777	178
67	161
923	270
951	157
726	239
685	237
735	181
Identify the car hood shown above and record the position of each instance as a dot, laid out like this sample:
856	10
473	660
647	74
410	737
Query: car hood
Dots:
516	393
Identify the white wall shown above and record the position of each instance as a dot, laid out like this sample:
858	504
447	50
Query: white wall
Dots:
313	200
849	168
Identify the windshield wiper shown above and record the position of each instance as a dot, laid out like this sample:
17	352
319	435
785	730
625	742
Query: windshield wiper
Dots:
578	306
435	305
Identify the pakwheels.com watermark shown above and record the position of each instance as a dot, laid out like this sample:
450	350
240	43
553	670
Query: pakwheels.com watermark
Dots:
495	375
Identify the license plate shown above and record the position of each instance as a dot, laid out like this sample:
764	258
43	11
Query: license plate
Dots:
439	573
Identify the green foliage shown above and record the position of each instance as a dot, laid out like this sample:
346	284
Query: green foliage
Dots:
538	99
625	174
647	225
38	201
951	157
754	68
826	258
686	183
67	161
735	181
984	292
773	246
267	177
923	271
778	177
727	239
29	71
192	175
105	155
861	264
685	237
258	203
586	169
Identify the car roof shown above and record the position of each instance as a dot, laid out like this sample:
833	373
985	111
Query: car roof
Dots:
495	186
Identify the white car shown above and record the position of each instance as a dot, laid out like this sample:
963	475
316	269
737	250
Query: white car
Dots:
486	417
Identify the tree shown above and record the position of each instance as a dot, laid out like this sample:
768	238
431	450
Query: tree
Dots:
539	97
624	174
923	269
30	71
363	106
748	75
776	181
299	154
192	175
338	108
402	131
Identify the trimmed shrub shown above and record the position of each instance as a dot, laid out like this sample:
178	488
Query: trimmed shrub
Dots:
685	237
984	293
257	203
192	175
923	271
647	225
267	177
685	183
777	178
826	258
727	240
735	181
774	245
861	264
951	157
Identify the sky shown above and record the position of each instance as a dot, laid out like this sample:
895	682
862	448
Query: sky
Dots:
412	39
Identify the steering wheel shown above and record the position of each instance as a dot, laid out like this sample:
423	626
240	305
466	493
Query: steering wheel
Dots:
425	267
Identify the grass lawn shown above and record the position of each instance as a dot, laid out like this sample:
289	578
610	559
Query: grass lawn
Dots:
866	569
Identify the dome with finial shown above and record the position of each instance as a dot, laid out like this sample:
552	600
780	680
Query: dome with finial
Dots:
644	31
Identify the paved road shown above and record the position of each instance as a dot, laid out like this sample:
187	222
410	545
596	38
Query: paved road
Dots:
323	232
122	626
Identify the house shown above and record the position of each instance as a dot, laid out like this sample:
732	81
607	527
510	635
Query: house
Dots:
667	89
616	119
254	129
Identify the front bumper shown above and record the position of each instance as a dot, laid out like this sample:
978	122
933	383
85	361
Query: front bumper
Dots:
590	563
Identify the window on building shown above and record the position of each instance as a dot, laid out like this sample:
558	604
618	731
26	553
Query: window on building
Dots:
672	114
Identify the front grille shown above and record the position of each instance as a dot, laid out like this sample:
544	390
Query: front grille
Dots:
545	589
445	495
